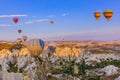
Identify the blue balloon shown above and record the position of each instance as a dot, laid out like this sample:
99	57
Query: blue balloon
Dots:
41	43
51	48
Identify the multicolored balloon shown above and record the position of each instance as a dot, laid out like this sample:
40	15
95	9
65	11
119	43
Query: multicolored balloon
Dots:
97	14
35	46
108	14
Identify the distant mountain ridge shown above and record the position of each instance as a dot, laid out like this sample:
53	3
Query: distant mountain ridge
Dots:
2	41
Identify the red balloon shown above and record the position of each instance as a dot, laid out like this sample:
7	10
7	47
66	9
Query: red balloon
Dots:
15	19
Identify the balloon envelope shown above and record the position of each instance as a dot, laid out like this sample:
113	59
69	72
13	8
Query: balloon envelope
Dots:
108	14
97	14
35	46
24	38
52	21
15	19
19	40
19	30
51	48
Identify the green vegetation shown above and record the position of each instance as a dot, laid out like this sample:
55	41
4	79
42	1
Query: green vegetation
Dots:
17	46
96	78
13	67
83	67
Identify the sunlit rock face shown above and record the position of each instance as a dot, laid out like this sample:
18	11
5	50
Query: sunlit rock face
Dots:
5	52
21	58
24	51
67	51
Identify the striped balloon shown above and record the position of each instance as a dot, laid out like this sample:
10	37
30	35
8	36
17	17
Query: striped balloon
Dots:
108	14
97	14
35	46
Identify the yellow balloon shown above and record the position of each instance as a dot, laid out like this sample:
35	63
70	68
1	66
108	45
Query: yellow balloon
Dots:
108	14
35	46
97	14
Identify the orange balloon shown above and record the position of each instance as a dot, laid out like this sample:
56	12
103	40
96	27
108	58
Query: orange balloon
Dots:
108	14
97	14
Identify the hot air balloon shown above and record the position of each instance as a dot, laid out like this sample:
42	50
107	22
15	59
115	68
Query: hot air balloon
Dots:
19	40
24	38
97	14
19	30
108	14
52	21
51	48
15	19
35	46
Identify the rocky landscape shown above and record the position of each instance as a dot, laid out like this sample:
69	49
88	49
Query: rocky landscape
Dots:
85	60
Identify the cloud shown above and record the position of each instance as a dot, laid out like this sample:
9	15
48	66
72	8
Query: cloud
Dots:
42	20
51	16
10	25
29	22
65	14
16	15
5	25
20	24
37	21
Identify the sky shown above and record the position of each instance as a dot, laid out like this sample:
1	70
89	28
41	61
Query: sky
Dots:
73	19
